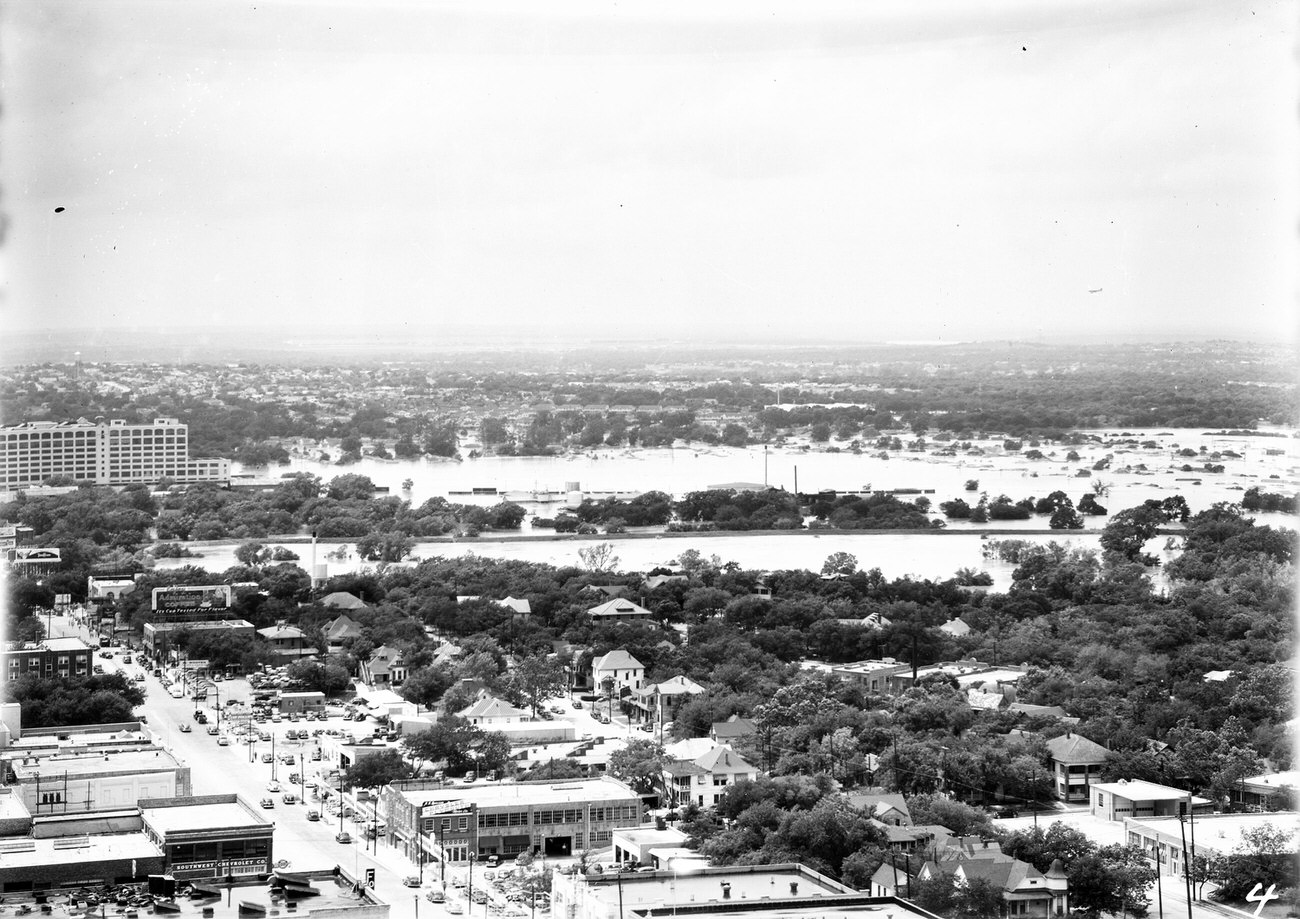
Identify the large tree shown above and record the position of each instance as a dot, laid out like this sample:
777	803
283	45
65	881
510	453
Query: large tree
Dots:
639	764
377	770
535	679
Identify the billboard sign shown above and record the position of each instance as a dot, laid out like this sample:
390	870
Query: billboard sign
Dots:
191	598
36	556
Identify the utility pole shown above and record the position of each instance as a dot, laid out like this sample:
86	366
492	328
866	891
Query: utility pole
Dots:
1187	875
1160	897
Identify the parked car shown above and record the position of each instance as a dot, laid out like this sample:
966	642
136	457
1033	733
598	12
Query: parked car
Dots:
343	838
268	802
454	907
290	798
185	728
272	786
267	758
411	881
212	730
223	741
435	896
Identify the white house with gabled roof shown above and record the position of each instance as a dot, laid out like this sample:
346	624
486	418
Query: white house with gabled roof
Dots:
622	668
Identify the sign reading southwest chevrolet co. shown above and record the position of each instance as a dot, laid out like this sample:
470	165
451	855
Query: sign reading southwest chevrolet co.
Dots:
214	596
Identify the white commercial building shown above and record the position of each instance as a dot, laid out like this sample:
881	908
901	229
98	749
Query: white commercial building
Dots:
104	453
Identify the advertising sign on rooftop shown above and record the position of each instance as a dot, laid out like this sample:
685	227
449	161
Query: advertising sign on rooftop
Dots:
191	597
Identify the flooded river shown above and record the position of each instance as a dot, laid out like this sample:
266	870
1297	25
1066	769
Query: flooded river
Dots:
1134	474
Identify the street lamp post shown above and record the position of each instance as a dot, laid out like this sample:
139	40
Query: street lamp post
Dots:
470	890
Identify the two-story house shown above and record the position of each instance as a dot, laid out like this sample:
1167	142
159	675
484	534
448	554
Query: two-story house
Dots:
1076	764
703	778
289	642
623	671
659	702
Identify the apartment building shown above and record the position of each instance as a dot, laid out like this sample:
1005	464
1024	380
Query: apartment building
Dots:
53	657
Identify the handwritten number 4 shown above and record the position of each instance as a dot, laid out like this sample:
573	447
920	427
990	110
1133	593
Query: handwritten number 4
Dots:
1261	898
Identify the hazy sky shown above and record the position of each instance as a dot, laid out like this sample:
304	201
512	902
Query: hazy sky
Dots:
859	170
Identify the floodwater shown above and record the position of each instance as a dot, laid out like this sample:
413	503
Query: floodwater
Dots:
1135	474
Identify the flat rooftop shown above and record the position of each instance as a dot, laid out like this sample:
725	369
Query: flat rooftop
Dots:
521	793
990	676
1276	779
1137	790
840	908
332	897
40	744
207	816
75	764
748	883
48	644
641	835
1220	832
12	806
25	852
207	624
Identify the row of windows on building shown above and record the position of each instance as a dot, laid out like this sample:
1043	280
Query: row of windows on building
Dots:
538	818
215	851
554	817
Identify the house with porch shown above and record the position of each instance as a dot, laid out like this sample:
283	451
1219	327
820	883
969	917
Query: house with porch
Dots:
660	702
1076	764
384	668
288	642
704	777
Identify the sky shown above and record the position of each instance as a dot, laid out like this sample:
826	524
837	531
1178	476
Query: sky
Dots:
919	170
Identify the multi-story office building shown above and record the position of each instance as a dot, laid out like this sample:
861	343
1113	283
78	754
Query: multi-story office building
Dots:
53	657
437	822
105	453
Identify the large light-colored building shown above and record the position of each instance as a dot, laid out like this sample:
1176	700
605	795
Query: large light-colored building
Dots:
790	891
105	453
1169	839
88	781
544	818
1135	798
